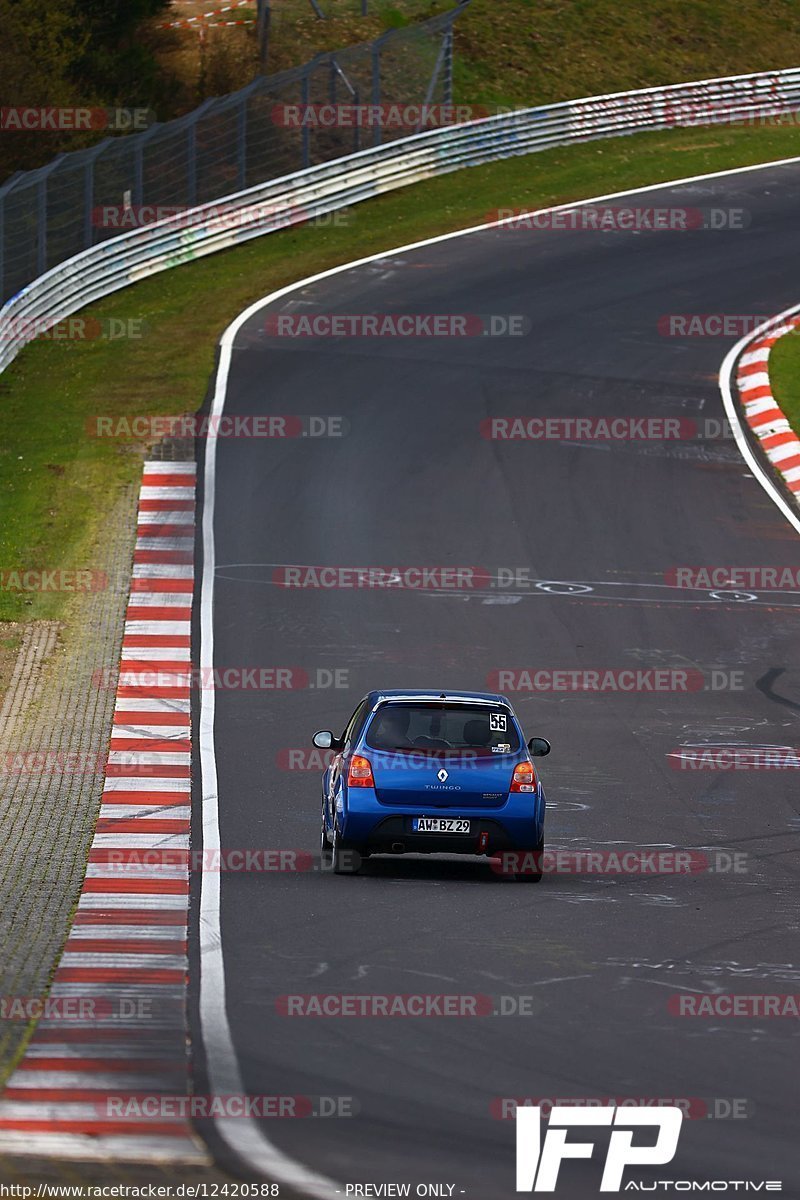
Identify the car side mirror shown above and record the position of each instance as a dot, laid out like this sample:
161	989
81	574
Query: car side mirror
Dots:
539	747
324	740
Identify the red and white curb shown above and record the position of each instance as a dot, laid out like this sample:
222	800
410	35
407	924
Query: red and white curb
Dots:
762	412
105	1071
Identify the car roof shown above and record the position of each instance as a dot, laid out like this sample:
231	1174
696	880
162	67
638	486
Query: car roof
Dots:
378	697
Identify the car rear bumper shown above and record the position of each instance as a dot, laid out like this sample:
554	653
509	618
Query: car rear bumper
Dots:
394	834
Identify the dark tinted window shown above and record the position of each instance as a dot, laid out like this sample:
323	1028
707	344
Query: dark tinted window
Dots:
436	728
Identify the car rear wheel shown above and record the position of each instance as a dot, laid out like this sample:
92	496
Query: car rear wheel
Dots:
346	857
529	860
325	856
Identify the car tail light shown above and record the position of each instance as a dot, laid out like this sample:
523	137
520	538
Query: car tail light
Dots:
524	778
360	772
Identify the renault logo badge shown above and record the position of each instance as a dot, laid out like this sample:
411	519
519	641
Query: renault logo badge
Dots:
442	776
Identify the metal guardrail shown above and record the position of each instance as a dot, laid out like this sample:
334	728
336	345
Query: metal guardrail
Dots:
297	197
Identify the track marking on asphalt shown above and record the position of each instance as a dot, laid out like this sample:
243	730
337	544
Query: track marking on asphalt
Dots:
244	1135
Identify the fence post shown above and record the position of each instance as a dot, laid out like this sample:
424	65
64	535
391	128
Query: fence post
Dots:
41	226
376	88
4	190
440	62
191	164
41	214
88	203
2	240
241	139
306	130
88	191
242	129
447	85
264	14
191	152
357	122
138	163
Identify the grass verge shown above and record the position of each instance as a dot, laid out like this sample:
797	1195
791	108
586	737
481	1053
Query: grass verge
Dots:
57	482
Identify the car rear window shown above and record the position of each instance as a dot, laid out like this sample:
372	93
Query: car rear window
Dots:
443	729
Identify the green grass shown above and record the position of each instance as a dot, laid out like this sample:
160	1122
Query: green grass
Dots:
56	483
784	375
527	51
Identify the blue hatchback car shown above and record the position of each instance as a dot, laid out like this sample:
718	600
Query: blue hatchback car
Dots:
433	772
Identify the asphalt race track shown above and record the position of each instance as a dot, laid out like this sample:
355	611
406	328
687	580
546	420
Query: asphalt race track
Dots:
413	482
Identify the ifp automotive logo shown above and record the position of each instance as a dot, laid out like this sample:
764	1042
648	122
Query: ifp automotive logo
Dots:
538	1161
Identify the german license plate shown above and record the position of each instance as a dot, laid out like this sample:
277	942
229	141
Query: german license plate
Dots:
440	824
